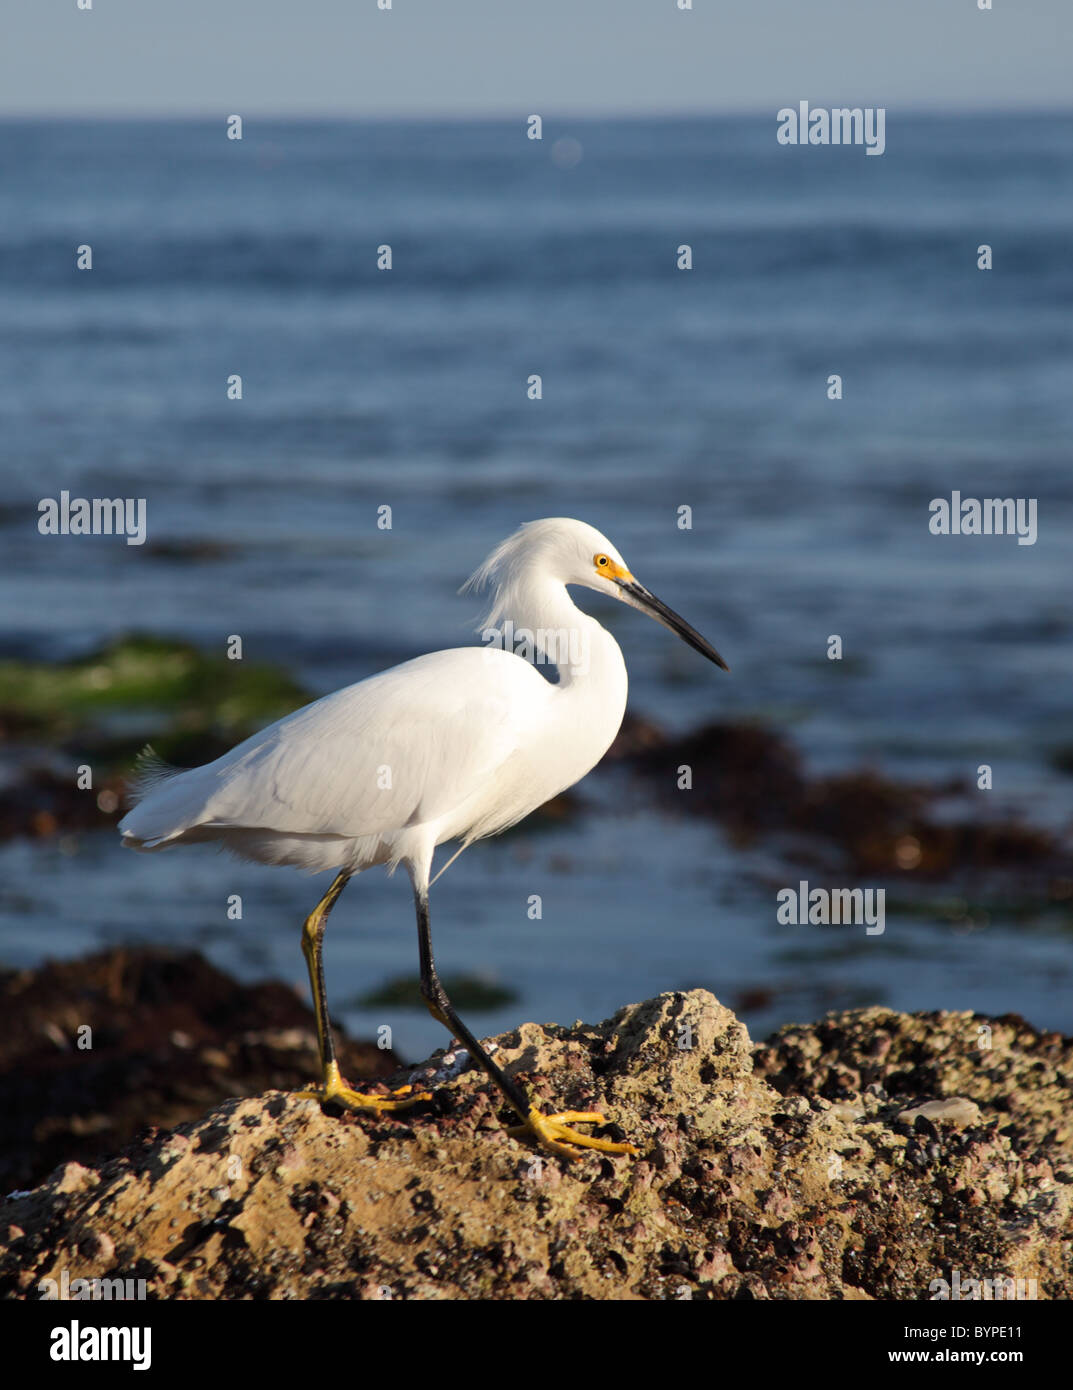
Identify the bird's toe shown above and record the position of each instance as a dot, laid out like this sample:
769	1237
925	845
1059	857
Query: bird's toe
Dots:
554	1133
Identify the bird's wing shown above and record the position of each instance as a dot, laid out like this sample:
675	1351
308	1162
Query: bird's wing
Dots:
402	748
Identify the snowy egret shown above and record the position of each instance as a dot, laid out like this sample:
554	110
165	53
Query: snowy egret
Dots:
452	746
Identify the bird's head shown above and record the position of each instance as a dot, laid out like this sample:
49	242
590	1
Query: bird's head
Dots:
572	552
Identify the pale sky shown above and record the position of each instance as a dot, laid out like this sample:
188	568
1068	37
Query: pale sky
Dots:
497	57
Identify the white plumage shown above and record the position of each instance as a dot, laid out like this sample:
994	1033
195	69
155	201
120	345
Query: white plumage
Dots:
458	744
349	779
452	746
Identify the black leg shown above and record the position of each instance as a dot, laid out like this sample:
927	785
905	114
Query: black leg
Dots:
441	1008
313	950
334	1088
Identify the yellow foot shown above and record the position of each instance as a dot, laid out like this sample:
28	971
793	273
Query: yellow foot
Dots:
335	1090
550	1131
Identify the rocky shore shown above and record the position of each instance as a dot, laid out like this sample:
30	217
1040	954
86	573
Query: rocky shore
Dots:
871	1155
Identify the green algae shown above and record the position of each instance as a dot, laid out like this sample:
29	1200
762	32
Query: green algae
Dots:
183	699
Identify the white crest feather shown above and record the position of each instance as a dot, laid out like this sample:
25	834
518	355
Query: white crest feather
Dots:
535	546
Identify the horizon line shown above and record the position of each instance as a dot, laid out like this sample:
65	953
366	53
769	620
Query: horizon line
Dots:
516	113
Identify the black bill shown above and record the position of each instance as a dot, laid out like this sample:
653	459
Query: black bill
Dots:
637	596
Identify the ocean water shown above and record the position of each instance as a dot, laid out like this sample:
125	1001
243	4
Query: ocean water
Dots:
662	388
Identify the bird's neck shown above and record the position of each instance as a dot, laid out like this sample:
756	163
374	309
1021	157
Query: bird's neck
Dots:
549	629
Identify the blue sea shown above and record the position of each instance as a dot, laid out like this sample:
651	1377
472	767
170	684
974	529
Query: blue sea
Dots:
662	388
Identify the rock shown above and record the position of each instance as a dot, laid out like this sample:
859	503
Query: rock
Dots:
958	1110
72	1177
171	1035
747	1184
754	781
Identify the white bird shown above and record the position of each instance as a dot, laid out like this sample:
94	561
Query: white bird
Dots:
453	746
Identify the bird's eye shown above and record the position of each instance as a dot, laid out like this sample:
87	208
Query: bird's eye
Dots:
602	562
